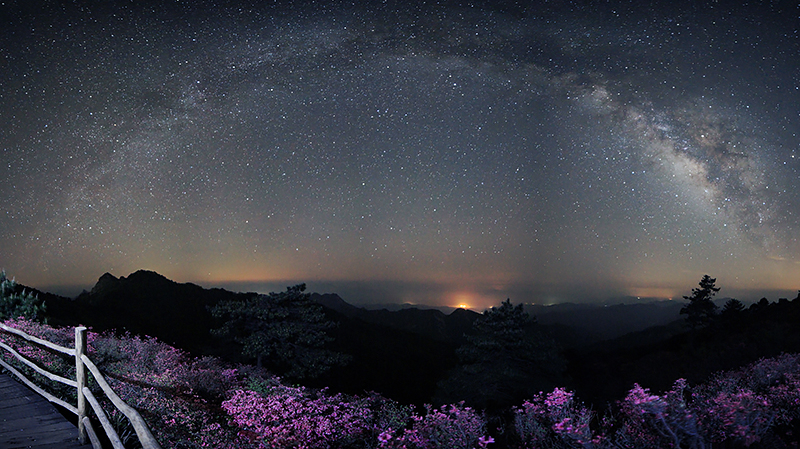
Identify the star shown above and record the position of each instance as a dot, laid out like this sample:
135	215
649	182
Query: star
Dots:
403	151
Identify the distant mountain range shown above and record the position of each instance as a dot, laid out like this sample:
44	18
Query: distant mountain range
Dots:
405	351
605	322
148	303
401	354
431	323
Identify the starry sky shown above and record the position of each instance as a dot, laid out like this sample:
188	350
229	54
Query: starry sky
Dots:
440	153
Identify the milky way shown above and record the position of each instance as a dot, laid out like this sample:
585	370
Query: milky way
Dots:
424	153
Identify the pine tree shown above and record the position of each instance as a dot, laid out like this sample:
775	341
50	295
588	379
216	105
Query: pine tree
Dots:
701	310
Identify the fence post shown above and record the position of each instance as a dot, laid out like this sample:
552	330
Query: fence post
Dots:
80	377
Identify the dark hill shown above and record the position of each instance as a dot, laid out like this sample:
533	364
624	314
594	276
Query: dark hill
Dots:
148	303
399	364
335	302
657	356
598	322
400	354
430	323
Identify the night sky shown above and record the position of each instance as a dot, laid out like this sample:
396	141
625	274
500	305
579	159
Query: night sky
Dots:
440	153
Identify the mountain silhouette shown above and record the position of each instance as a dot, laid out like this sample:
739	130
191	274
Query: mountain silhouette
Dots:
600	322
148	303
431	323
399	354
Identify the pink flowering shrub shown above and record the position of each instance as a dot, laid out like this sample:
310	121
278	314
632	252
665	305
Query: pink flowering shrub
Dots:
660	421
294	417
736	407
204	403
182	422
174	393
742	405
742	416
59	336
149	361
284	417
733	408
555	420
50	360
776	380
449	427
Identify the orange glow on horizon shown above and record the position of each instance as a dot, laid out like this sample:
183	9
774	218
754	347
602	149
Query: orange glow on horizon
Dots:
653	292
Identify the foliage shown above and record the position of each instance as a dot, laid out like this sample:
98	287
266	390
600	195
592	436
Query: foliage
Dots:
503	361
203	402
449	427
15	304
660	421
287	329
733	409
555	420
296	417
701	310
175	394
732	308
739	406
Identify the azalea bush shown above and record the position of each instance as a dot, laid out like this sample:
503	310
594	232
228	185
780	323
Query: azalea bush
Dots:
52	361
294	417
743	405
280	417
556	420
204	402
451	426
177	395
654	421
733	409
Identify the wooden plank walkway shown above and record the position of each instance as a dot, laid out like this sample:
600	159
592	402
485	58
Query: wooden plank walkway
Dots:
28	420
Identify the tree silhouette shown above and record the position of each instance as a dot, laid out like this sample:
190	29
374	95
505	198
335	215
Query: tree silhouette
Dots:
733	315
285	331
504	360
732	307
760	306
701	310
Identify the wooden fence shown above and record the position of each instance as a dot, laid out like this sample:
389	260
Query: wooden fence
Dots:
82	363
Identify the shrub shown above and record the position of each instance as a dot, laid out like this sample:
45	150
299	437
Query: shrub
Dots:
659	421
202	402
555	420
16	304
449	427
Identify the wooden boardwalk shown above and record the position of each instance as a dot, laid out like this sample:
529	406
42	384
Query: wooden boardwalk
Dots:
27	420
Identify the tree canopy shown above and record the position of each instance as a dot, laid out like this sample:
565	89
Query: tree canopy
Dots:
701	310
732	308
505	358
284	331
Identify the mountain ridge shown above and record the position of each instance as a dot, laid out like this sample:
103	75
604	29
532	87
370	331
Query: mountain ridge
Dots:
404	353
112	298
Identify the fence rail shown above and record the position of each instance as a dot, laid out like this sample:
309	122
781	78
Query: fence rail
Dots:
82	365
